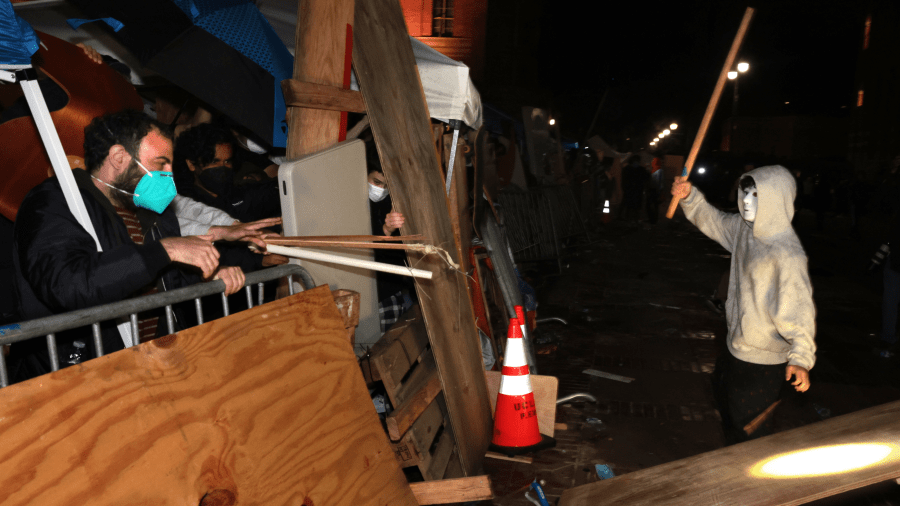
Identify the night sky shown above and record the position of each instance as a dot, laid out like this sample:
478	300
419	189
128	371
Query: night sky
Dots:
661	61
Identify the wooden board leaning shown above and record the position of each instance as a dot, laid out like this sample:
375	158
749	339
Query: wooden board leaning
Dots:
396	107
266	406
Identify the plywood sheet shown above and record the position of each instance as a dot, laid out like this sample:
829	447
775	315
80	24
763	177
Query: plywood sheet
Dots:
266	406
545	389
396	106
726	476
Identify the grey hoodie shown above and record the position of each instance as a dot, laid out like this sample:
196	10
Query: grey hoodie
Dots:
770	310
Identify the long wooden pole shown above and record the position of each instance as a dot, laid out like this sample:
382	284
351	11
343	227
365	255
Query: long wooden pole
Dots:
713	102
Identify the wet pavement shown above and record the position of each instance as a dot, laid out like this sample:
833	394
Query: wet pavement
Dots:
633	297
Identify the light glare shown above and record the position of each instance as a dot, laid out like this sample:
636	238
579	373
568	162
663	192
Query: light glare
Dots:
826	460
701	170
552	121
743	66
666	132
732	75
674	126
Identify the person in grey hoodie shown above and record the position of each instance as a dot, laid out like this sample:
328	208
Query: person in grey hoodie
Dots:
769	310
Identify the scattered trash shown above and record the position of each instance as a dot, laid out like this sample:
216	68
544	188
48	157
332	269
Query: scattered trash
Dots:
822	411
607	375
596	423
604	472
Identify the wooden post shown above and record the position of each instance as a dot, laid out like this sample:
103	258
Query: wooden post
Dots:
321	53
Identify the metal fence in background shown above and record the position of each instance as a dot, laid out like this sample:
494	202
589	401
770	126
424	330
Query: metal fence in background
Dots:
93	316
538	220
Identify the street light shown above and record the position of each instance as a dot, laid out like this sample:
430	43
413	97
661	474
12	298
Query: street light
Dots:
552	121
674	126
666	131
733	75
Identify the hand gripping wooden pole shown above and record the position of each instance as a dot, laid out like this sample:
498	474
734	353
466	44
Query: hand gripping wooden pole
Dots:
713	101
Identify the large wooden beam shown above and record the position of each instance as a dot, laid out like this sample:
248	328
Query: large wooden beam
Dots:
320	58
730	475
396	106
266	406
320	96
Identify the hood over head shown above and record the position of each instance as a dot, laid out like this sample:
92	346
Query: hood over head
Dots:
776	190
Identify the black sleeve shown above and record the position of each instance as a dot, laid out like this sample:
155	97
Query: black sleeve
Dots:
59	259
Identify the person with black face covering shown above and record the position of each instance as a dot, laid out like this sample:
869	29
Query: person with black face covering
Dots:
204	171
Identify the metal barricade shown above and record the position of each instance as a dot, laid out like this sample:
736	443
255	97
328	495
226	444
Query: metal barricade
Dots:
93	316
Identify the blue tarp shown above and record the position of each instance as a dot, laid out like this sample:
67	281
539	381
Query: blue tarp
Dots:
17	40
239	24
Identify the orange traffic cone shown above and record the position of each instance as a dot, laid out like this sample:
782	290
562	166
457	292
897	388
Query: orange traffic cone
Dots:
515	420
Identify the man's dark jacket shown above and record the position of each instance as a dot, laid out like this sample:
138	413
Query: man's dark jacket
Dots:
58	268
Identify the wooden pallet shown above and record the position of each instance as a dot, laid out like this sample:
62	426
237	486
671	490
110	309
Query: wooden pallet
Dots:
419	428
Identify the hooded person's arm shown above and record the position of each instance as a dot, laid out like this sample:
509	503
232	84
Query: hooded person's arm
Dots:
717	225
793	312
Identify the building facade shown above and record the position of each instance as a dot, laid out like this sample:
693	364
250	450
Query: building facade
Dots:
456	28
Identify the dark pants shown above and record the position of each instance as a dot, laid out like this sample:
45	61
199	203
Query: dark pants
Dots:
743	391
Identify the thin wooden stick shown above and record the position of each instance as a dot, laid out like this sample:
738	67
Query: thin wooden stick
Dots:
713	102
351	238
302	243
754	424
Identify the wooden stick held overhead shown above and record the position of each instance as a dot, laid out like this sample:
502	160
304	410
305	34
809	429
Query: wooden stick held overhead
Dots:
713	102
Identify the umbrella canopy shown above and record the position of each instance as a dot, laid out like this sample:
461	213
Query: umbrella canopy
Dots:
17	40
221	51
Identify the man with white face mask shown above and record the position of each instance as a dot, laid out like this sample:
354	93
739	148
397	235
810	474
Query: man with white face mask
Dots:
770	311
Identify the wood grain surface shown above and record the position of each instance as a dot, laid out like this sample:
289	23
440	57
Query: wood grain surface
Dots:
390	85
320	96
320	49
474	488
266	406
724	476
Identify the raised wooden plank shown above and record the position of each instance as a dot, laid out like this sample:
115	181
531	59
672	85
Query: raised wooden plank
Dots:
396	106
320	96
727	475
265	406
473	488
321	50
402	418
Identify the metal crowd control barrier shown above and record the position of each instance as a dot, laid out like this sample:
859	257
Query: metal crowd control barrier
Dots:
50	325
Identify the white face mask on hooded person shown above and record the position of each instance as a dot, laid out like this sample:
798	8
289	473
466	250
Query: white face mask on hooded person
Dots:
377	193
749	205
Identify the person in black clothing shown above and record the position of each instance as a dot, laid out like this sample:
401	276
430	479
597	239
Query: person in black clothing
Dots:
58	267
395	292
204	171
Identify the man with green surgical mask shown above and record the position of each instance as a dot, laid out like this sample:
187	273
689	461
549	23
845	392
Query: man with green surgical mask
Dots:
126	190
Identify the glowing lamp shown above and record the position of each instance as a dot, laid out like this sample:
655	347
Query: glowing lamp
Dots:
743	67
732	75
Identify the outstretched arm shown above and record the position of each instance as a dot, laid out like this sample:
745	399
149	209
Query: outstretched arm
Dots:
719	226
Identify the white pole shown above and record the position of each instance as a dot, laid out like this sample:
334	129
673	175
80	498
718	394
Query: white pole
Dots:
57	155
352	262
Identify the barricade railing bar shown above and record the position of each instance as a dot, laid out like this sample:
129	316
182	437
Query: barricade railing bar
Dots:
48	326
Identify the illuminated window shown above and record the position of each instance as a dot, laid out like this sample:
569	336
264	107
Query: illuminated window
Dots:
868	30
859	98
442	18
